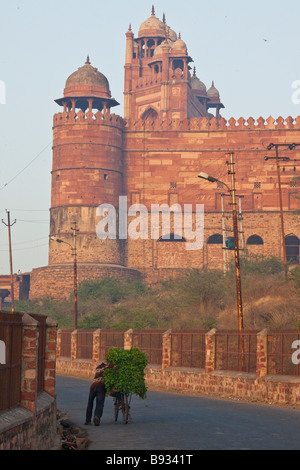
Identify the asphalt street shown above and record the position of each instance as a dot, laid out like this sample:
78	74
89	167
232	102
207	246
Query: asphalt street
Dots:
168	421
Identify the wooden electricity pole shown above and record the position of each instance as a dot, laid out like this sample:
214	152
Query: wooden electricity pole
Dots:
8	224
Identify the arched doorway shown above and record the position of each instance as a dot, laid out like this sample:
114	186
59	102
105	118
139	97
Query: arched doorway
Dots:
150	113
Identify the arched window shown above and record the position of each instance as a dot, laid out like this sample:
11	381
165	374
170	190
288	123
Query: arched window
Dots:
292	248
172	237
150	47
177	64
215	239
255	240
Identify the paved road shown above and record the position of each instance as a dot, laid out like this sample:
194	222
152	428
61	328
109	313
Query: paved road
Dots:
171	422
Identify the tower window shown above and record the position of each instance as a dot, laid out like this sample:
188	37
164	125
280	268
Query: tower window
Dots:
292	244
105	177
216	239
255	240
177	64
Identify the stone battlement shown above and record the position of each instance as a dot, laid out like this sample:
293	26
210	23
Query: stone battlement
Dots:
192	124
99	117
214	124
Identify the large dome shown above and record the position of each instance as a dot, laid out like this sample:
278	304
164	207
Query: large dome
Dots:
152	27
87	80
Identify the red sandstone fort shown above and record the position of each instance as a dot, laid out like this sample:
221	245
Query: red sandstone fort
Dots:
171	130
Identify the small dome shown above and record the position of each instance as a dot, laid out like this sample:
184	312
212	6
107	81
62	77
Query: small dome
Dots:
159	49
172	35
179	46
152	27
213	93
87	80
196	83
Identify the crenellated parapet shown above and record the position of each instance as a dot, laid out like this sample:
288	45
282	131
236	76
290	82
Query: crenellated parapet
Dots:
80	116
214	124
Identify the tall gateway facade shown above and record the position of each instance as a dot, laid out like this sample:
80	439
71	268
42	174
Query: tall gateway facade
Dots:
126	189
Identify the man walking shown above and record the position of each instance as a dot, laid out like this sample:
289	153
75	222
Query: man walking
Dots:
98	391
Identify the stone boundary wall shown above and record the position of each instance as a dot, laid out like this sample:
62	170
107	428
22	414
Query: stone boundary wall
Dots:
239	385
31	425
57	281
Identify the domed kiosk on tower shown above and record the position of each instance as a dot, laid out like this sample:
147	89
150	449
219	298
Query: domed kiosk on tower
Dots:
87	171
87	86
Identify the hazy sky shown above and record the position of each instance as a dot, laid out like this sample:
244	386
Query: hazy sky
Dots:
250	49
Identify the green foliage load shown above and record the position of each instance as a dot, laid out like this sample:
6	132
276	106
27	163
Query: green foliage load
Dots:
128	375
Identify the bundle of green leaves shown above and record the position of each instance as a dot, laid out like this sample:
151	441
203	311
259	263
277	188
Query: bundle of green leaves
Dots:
128	373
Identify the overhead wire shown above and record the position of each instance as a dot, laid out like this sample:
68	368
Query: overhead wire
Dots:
35	158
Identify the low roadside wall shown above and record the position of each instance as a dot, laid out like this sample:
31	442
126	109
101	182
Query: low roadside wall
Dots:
258	386
27	382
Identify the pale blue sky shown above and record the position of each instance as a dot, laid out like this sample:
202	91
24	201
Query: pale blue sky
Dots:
43	42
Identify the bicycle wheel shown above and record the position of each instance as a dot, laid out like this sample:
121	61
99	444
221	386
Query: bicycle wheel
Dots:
126	407
117	404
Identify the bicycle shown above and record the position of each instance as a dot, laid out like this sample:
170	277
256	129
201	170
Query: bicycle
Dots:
122	402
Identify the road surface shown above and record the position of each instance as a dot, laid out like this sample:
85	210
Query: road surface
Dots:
171	422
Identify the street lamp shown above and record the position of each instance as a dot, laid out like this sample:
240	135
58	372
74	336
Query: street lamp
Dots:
74	250
231	190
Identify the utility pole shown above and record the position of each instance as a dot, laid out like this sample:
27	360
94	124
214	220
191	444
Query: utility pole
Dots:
281	213
236	245
278	159
241	225
224	235
74	253
12	295
75	230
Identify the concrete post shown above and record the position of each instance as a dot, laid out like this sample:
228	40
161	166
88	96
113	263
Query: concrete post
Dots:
50	357
210	351
128	339
29	363
262	354
96	346
58	343
166	350
74	345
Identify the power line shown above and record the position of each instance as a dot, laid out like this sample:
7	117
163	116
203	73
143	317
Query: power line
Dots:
34	221
35	247
25	242
12	179
28	210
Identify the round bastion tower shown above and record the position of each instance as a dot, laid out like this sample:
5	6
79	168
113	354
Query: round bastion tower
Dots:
87	171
